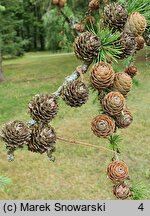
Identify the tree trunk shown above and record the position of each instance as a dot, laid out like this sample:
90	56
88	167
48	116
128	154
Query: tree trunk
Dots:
35	38
42	42
1	70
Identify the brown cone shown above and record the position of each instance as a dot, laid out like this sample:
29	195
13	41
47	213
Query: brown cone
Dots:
121	191
80	27
62	3
15	134
124	119
122	83
115	15
128	44
75	93
103	126
43	138
86	46
140	42
113	103
131	71
94	4
102	75
117	171
136	23
43	108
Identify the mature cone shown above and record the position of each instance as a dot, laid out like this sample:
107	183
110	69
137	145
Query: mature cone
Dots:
80	27
131	71
86	46
15	134
102	75
43	108
140	42
75	93
115	15
94	4
62	3
124	119
117	171
113	103
122	83
43	138
128	44
121	191
103	126
136	23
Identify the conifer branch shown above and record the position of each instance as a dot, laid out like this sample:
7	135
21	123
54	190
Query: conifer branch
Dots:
74	76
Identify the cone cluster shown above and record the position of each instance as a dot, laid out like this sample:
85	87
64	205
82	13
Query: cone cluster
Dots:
132	27
42	108
113	89
118	172
39	137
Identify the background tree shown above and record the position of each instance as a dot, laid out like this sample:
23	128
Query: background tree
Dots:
10	42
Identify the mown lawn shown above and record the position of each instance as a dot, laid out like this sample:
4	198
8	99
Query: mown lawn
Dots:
79	172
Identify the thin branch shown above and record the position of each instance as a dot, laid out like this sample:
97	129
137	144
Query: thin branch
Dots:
74	76
72	142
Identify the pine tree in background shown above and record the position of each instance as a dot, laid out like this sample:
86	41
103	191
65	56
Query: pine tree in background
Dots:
10	43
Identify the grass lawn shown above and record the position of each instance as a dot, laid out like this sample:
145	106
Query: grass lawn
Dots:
79	172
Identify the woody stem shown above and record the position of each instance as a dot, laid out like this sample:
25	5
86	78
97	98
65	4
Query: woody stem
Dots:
75	142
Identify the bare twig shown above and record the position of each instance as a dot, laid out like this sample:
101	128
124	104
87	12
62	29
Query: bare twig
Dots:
72	142
74	76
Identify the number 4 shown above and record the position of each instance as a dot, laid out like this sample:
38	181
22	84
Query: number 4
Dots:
141	207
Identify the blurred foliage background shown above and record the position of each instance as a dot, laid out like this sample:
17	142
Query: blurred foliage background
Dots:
35	24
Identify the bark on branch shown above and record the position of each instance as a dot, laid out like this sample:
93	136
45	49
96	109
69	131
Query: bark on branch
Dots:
74	76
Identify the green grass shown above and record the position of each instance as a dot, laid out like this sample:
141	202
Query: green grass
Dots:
79	172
